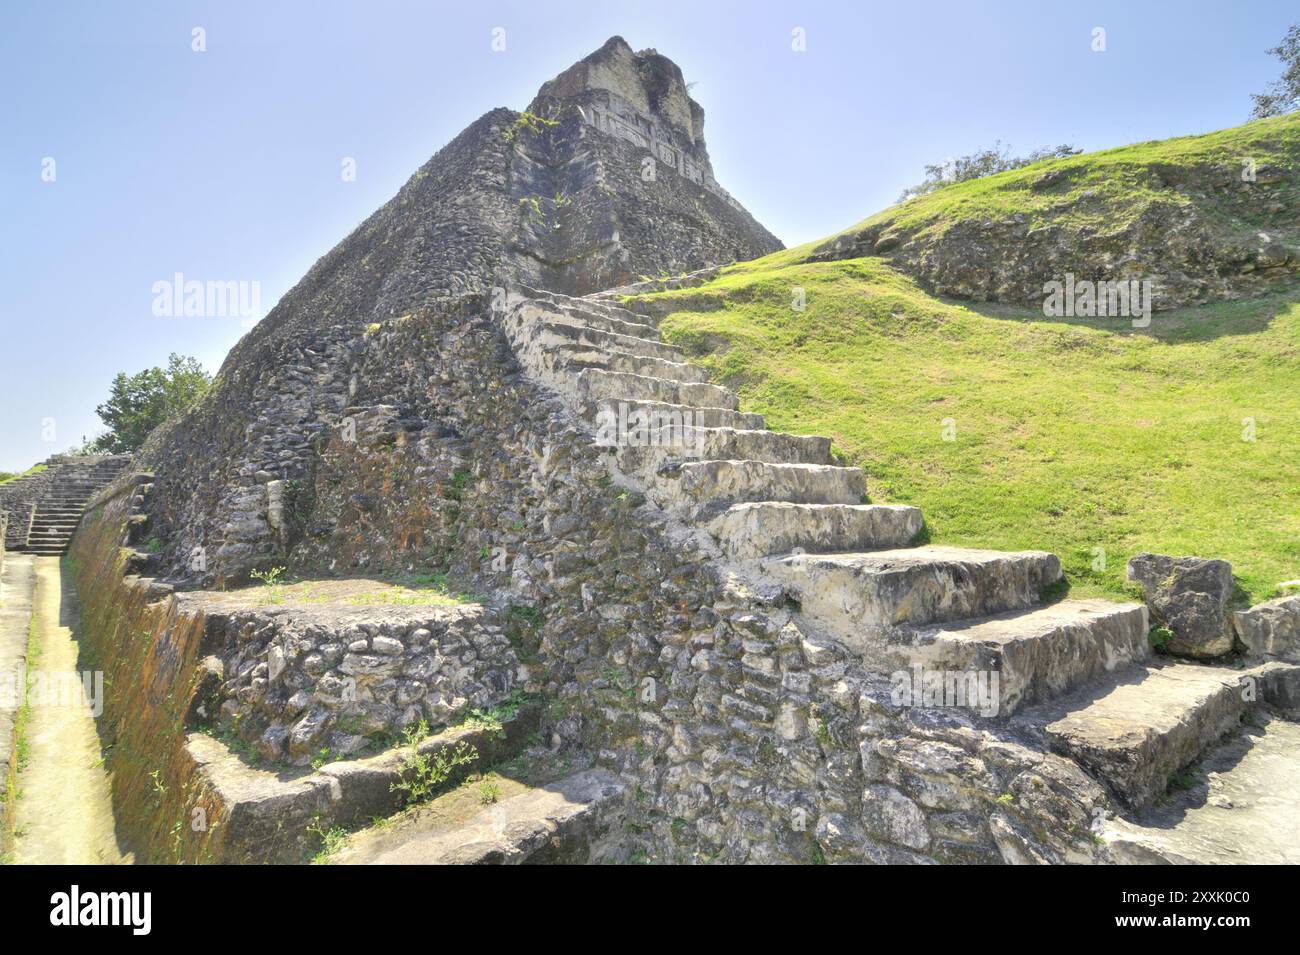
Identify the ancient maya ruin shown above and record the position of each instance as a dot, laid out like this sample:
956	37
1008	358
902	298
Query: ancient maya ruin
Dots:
516	556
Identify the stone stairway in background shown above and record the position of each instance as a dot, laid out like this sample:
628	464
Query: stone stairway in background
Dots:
1077	675
49	512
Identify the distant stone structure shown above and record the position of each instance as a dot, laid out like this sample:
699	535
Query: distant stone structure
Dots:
43	507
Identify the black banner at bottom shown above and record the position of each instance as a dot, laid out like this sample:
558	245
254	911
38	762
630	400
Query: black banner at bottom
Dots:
147	903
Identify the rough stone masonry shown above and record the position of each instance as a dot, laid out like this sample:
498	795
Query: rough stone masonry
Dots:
395	414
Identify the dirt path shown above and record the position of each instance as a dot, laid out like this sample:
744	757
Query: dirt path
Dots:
64	812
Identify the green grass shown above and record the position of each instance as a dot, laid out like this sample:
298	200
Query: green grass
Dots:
1070	435
7	476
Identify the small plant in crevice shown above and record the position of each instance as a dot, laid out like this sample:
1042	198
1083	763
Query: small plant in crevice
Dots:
821	728
459	481
421	773
273	579
1159	638
522	626
332	839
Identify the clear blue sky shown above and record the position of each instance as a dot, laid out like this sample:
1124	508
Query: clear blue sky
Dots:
226	164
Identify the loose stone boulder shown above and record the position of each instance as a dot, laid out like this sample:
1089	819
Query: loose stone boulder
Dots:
1271	629
1189	596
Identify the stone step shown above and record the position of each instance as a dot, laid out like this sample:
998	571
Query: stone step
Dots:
632	325
592	385
1136	732
863	597
1037	654
602	307
577	357
1237	804
705	488
659	415
557	823
751	530
643	451
539	336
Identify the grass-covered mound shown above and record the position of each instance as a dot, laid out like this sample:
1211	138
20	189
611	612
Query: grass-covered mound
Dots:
1070	435
1205	217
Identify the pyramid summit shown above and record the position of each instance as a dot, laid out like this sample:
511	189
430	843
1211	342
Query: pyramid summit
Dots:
603	180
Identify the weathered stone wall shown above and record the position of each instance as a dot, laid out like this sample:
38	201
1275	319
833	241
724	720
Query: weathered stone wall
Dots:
18	498
184	788
298	683
747	739
750	741
148	644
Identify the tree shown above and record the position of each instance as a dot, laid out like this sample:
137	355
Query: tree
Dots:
139	403
985	162
1284	95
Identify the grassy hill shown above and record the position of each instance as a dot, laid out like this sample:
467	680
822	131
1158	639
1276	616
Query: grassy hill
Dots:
1177	211
1113	186
1072	435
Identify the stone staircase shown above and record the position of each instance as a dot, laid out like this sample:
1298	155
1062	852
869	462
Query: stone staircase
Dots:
57	499
1075	674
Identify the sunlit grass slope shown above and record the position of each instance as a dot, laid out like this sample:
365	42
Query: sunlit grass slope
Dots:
1079	436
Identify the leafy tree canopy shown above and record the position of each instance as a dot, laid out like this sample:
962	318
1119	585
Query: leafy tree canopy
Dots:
1284	95
139	403
985	162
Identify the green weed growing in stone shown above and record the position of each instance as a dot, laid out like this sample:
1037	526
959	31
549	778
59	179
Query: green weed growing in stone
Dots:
1159	637
332	839
274	581
421	773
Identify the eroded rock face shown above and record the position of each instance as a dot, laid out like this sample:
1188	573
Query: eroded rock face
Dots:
1189	596
1177	239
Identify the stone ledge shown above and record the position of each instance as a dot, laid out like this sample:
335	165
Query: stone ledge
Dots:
260	815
